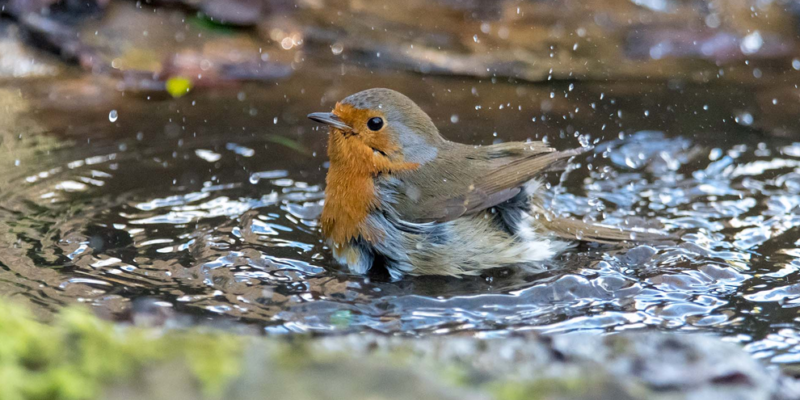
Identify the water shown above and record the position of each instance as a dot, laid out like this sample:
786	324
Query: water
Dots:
210	207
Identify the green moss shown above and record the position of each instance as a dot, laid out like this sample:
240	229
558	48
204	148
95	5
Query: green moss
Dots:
204	22
295	355
78	354
541	389
455	375
214	359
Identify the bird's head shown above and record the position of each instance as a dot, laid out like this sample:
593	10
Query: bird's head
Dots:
373	133
386	121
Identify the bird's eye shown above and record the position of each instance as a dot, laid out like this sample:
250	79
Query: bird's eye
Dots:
375	124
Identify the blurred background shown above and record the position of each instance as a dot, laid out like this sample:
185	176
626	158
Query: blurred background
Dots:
159	150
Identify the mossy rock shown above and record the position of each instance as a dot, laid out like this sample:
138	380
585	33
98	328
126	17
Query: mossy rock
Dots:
78	356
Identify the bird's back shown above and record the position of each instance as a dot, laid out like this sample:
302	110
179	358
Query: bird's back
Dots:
464	179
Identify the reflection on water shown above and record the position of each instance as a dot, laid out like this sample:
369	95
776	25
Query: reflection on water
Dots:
209	204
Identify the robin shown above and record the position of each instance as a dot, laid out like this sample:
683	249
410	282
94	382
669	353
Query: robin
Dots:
402	196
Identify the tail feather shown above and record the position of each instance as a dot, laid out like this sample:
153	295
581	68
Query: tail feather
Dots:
573	229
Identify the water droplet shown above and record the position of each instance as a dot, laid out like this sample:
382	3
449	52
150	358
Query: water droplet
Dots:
713	21
337	48
796	64
113	116
584	140
503	32
454	118
751	43
744	118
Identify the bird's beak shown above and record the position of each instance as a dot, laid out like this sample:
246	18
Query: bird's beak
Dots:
329	119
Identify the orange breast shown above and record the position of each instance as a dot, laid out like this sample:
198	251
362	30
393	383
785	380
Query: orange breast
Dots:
350	192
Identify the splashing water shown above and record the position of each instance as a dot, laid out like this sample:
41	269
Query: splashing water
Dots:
216	213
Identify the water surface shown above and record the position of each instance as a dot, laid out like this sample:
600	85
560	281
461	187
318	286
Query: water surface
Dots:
209	205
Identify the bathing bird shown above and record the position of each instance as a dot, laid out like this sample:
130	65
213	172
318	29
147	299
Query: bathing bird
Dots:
401	196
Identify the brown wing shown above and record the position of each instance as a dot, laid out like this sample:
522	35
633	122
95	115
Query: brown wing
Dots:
449	188
492	175
500	184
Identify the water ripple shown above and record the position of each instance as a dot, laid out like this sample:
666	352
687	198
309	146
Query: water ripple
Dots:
225	229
